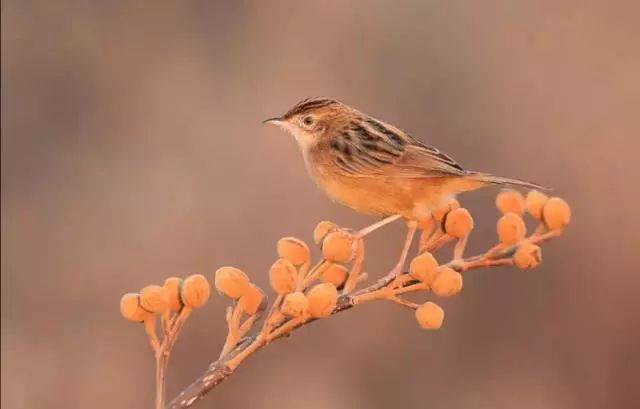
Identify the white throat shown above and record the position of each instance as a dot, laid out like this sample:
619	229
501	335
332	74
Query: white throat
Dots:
303	139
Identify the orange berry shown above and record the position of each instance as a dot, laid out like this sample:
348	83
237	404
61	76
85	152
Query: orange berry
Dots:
294	250
511	229
130	308
172	288
424	267
527	256
231	282
322	300
253	300
294	304
556	213
510	201
195	291
429	315
282	276
322	229
448	282
338	246
335	274
535	202
154	298
458	223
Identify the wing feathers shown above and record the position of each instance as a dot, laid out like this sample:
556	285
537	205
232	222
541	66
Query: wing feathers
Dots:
368	148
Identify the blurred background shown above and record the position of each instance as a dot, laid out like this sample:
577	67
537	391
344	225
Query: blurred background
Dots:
132	150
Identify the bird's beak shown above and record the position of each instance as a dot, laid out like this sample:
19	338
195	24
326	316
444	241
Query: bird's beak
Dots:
275	121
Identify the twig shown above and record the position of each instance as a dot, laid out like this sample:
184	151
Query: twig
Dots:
459	248
162	350
403	302
356	269
233	323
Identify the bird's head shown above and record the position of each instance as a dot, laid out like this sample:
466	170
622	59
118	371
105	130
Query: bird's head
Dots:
313	119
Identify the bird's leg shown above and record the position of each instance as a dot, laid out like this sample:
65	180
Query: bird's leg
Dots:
375	226
412	226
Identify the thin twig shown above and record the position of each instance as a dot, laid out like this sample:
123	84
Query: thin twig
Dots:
269	320
458	250
150	329
403	302
162	350
233	324
356	268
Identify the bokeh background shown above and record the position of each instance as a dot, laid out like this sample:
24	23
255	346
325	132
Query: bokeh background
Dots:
132	150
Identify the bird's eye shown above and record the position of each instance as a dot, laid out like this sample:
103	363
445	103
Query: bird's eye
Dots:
307	120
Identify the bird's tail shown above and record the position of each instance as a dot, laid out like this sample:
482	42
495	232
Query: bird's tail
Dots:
486	178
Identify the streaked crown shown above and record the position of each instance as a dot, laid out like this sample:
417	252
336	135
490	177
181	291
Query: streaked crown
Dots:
309	105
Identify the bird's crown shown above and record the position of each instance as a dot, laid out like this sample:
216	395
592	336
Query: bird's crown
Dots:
310	105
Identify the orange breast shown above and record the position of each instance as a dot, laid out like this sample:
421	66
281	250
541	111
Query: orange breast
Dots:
412	198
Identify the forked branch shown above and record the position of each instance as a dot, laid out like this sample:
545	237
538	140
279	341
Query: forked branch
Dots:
306	293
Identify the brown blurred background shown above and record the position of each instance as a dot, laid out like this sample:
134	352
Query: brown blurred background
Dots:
132	150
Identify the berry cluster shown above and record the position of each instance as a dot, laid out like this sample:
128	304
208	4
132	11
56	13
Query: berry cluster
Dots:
305	292
172	303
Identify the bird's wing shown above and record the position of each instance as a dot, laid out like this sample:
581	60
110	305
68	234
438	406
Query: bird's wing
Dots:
372	148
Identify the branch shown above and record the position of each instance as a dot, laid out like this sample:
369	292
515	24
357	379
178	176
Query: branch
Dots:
220	370
301	301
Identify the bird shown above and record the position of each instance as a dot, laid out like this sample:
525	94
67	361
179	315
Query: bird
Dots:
376	168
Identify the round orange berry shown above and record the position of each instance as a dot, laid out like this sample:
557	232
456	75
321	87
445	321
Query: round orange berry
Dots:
510	201
458	223
429	315
448	282
130	308
338	246
282	276
527	256
322	300
154	298
231	282
511	229
322	229
253	300
335	274
294	250
535	202
556	213
172	287
294	304
195	291
424	267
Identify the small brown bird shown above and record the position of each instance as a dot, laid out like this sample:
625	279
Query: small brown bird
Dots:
376	168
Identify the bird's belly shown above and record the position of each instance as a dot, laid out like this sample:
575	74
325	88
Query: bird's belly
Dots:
411	198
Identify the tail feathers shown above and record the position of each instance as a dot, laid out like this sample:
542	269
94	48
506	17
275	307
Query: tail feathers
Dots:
497	180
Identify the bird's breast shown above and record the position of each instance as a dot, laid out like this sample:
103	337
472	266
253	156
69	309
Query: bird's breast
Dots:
363	194
380	195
